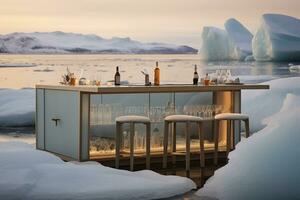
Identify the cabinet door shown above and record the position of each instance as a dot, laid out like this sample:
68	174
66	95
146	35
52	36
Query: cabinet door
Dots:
62	137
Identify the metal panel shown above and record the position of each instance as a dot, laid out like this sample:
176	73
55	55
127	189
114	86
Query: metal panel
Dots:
40	119
85	117
63	137
237	109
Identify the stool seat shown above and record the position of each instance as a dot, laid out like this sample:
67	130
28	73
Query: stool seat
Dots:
183	118
231	116
133	118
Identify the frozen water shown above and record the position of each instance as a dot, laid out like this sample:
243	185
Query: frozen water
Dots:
264	166
277	39
17	107
240	37
214	44
26	173
233	43
259	104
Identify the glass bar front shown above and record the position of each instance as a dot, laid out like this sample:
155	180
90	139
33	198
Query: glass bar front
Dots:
104	108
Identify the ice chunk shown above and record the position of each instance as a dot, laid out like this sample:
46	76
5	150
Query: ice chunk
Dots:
17	107
26	173
240	37
264	165
294	68
215	44
233	43
277	39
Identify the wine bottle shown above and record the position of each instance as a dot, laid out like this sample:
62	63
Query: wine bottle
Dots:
117	76
156	75
196	76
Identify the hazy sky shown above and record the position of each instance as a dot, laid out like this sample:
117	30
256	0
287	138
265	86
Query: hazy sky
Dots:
174	21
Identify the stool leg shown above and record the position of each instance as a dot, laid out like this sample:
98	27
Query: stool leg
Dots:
118	133
202	151
131	145
148	143
228	138
174	147
201	141
188	155
216	139
165	156
247	129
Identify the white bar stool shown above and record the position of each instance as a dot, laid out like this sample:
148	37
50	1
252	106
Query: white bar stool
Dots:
132	120
229	117
173	119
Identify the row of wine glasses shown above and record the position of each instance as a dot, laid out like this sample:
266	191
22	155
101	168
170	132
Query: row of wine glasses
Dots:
204	111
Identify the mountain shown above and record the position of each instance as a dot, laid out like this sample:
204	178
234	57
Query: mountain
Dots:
61	42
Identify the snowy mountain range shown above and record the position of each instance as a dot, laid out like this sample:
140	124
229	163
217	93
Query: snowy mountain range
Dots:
61	42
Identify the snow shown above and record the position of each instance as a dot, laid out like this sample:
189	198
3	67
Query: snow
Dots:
269	101
264	166
17	107
61	42
277	38
233	43
27	173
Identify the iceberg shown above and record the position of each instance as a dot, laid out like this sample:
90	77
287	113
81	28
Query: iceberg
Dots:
233	43
240	37
277	39
29	174
215	44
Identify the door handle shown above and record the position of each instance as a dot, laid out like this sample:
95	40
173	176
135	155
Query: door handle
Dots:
56	120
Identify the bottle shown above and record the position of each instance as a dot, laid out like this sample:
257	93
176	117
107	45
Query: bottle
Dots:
206	80
117	77
156	75
196	77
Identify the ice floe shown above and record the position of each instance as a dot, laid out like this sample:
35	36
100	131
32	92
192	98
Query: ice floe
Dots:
27	173
17	107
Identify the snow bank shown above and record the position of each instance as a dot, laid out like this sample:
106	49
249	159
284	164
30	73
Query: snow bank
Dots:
26	173
17	107
259	104
277	39
266	165
233	43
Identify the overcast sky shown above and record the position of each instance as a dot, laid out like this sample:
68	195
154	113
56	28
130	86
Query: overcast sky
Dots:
173	21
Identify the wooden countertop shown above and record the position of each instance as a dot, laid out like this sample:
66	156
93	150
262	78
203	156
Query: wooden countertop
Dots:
165	88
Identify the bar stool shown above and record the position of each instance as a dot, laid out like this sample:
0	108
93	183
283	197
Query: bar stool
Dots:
229	117
173	119
132	120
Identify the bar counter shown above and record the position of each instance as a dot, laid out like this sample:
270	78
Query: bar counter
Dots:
152	89
78	122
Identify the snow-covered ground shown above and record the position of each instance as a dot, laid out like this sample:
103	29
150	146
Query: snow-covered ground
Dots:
27	173
266	165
